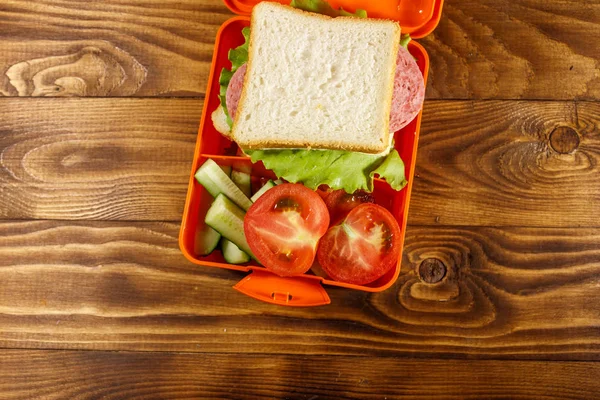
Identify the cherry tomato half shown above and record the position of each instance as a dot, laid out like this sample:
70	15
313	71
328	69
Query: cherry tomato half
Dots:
339	203
284	226
362	247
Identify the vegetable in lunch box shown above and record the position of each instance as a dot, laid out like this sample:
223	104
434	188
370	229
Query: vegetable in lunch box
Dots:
207	240
243	181
268	185
225	217
283	228
212	177
219	184
232	254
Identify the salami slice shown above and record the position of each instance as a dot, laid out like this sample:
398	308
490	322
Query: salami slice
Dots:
234	90
409	91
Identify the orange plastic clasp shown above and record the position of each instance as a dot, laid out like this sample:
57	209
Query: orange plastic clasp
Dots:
299	291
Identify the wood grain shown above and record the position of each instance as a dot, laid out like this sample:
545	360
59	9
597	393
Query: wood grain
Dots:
511	49
96	158
92	375
109	48
482	49
501	260
508	293
508	163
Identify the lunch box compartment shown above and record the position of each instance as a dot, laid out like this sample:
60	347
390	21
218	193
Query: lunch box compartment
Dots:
306	290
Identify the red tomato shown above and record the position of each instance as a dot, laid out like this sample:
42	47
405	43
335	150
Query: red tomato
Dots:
339	203
284	226
323	191
362	247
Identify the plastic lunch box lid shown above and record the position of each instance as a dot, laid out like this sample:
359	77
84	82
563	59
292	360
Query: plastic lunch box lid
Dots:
416	17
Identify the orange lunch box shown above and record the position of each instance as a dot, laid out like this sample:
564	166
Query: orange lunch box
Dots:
416	17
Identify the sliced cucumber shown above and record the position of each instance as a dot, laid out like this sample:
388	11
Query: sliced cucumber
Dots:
226	169
243	181
207	239
263	190
212	177
232	253
228	219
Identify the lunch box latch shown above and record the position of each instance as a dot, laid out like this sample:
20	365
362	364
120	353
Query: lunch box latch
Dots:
301	291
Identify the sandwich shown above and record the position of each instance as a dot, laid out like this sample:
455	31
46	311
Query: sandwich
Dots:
317	94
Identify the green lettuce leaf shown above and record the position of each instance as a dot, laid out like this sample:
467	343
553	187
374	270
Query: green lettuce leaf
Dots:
323	7
238	57
404	40
338	169
392	170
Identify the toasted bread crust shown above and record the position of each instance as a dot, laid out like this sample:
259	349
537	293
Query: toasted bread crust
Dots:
390	89
266	144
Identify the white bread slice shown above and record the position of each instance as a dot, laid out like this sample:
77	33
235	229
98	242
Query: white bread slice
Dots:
219	120
317	82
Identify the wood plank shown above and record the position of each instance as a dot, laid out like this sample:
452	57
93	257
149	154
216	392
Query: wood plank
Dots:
109	375
109	48
501	49
515	293
508	164
516	49
96	158
487	163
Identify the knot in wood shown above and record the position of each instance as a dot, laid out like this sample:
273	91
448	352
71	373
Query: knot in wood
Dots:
564	140
432	270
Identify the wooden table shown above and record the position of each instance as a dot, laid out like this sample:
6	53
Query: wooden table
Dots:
98	120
